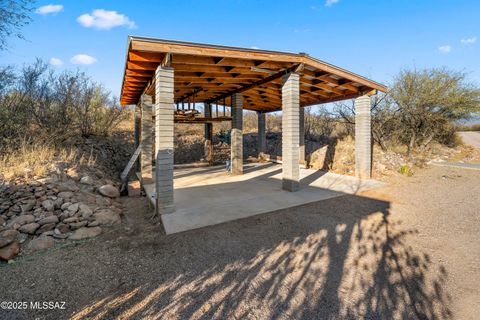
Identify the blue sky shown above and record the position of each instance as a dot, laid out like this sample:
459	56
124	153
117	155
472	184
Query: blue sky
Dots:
373	38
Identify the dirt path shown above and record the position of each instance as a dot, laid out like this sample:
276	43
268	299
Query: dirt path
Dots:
471	137
410	250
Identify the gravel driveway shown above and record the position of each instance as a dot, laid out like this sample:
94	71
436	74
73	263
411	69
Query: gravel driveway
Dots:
410	250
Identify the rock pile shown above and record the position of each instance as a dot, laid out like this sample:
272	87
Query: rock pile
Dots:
35	215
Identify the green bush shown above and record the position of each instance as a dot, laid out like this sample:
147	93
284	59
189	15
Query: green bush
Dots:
406	170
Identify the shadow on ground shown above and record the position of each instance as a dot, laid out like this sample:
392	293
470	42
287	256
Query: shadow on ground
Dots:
339	258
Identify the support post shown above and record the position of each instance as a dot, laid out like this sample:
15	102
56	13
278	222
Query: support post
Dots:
262	138
208	148
290	132
236	135
301	148
164	119
147	139
363	138
136	132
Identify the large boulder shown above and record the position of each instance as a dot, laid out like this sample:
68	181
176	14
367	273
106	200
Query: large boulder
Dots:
10	251
109	191
7	237
85	233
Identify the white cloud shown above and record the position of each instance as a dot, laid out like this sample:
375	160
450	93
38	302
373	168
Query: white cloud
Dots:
55	61
471	40
301	30
253	47
445	49
330	3
51	8
83	59
105	20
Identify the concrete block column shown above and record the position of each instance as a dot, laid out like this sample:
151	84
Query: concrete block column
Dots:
208	148
146	138
164	120
236	136
262	137
136	130
301	148
363	138
291	132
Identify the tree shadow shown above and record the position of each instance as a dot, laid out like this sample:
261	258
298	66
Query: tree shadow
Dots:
340	258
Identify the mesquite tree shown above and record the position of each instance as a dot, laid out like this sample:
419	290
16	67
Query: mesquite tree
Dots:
430	101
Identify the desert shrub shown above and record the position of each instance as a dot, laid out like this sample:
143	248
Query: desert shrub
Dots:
38	103
406	170
430	101
319	123
421	107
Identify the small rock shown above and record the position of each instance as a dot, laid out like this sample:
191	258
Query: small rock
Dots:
109	191
60	236
65	205
41	243
45	228
10	251
7	237
49	219
62	228
78	225
87	180
22	237
84	233
85	210
101	201
73	208
48	205
70	220
93	224
29	228
2	222
65	194
58	203
106	217
27	206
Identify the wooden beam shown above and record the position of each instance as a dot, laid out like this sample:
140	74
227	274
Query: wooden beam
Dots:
255	84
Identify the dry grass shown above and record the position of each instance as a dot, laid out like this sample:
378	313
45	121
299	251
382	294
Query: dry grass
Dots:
37	160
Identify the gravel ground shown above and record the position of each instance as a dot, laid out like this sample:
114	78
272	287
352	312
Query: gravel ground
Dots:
409	250
471	138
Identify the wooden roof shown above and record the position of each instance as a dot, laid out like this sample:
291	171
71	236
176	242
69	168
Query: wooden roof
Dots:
211	73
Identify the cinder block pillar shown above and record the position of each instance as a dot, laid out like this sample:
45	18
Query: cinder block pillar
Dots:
164	117
262	137
301	148
363	138
208	148
236	135
136	130
147	139
291	132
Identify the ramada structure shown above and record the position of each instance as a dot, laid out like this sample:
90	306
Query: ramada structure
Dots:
166	80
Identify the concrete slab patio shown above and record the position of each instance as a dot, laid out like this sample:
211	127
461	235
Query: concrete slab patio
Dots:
208	196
